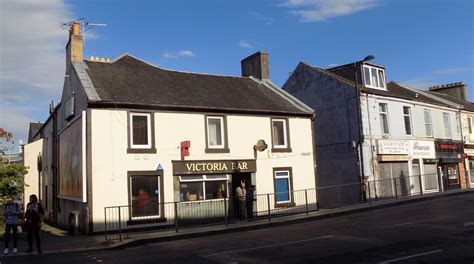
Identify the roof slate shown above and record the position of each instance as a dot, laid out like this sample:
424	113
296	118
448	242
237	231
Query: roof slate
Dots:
132	81
467	105
34	128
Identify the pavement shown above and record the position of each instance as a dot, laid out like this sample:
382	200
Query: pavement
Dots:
55	240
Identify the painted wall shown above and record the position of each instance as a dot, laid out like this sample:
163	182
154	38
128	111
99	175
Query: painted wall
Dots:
335	128
32	178
111	162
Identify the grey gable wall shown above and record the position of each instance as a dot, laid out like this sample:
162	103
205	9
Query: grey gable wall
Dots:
335	127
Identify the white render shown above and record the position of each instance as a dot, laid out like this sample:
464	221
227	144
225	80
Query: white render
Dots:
111	162
31	153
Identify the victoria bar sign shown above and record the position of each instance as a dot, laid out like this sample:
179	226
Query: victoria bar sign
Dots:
213	166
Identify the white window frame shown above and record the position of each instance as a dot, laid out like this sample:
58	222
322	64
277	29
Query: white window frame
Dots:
289	185
381	83
221	118
447	126
388	119
409	116
141	146
284	134
430	122
206	178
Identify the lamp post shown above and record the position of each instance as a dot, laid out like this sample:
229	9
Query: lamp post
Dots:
360	140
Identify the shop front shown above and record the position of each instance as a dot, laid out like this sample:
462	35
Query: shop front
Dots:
424	168
450	164
202	186
469	161
393	163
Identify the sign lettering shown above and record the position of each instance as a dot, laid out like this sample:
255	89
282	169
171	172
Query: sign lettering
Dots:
211	166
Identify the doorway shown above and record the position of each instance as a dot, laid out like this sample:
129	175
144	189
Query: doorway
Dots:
236	179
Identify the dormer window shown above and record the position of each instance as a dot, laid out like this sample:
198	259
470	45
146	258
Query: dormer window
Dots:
374	77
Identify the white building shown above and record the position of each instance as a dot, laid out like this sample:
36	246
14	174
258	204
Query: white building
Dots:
132	134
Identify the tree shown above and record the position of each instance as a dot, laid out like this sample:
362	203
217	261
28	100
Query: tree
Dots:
12	179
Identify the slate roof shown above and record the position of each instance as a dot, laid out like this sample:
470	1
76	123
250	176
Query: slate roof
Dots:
393	90
467	105
34	128
129	80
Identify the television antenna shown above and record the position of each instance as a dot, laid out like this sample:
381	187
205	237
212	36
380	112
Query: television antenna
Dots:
85	26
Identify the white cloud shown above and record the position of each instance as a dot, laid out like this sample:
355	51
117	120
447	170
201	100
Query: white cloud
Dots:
179	54
244	44
32	60
452	70
320	10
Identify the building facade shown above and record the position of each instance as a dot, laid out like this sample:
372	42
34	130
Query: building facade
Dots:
131	134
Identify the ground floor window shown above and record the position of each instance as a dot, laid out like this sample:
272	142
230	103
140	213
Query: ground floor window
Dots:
393	175
203	187
471	169
452	173
145	196
282	183
430	176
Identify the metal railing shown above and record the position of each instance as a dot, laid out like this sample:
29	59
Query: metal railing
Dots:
122	220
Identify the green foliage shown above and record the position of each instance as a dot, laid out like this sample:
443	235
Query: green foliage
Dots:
11	179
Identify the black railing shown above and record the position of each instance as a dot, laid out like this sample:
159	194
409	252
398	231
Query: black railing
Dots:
122	220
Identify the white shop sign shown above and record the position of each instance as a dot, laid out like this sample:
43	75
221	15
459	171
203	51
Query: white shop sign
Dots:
422	150
393	147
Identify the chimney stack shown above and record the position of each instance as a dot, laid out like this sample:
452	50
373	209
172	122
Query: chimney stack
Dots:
256	65
457	89
75	46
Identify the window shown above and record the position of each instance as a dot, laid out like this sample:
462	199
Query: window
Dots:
282	185
428	125
374	77
202	187
407	119
140	131
145	196
383	118
469	123
447	125
216	134
280	138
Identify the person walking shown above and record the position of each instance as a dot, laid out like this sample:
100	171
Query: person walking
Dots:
240	193
33	219
12	215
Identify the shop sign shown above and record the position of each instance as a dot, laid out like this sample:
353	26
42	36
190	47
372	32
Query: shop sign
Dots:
443	146
394	158
213	166
422	149
393	147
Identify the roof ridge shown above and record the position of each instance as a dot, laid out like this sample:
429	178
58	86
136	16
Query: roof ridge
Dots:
170	70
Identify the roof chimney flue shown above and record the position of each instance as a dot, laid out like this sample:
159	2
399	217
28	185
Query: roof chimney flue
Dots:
75	45
256	65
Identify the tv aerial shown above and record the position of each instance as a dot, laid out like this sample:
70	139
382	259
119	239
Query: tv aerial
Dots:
85	26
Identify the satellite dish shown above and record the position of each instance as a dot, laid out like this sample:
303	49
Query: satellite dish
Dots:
261	145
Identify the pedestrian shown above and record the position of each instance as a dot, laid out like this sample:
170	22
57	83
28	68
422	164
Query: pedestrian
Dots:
33	219
240	193
250	198
12	215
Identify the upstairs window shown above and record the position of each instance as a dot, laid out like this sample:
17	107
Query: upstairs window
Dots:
447	125
280	136
469	123
407	119
140	131
374	77
383	111
216	138
428	125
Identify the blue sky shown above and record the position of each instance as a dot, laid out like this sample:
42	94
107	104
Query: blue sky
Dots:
420	42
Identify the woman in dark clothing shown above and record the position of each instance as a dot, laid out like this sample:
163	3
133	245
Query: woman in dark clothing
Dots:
33	218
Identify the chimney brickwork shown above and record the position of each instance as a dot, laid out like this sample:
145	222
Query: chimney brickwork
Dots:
256	65
457	90
75	46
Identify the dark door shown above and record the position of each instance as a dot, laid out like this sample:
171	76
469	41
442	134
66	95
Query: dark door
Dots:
236	179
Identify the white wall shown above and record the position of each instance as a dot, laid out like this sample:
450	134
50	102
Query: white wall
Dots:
31	153
110	160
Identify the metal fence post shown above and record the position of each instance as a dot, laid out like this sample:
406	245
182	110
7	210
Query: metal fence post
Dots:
395	184
176	220
268	207
226	218
421	187
306	199
120	223
105	220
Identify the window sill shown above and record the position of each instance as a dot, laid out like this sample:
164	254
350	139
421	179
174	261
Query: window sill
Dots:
284	205
146	221
279	150
137	150
217	150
